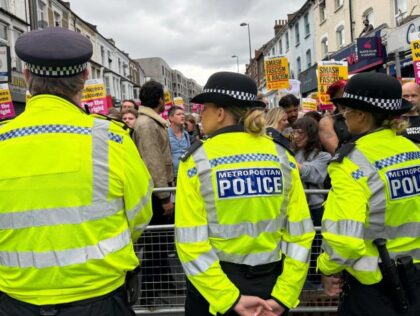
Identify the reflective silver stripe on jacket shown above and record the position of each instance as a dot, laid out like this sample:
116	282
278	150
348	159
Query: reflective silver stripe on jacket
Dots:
202	164
100	156
142	203
62	258
251	259
300	228
295	251
365	263
287	178
191	234
201	264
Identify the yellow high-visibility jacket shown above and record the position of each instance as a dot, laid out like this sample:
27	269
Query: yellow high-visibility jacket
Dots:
240	200
375	194
74	195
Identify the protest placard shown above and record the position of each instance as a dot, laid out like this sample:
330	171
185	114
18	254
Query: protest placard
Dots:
94	96
6	105
276	73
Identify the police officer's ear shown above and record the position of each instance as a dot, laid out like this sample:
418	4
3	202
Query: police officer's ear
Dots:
26	74
85	74
221	114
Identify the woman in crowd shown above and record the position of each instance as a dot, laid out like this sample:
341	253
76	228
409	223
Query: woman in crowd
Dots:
192	128
129	117
235	193
276	123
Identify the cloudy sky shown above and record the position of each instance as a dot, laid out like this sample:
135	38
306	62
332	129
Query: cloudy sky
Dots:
197	37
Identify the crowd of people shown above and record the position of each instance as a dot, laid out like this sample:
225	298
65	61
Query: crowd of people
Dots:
78	191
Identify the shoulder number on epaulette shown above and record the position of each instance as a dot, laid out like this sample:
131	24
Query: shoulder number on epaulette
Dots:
197	144
342	152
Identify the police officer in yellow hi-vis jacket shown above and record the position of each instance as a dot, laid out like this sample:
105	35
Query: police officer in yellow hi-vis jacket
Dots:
371	223
74	193
243	229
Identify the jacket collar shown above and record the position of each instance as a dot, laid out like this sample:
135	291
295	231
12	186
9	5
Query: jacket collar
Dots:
152	114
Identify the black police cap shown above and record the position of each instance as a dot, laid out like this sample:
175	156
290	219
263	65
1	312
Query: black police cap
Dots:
54	52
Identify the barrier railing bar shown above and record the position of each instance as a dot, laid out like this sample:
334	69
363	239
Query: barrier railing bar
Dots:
307	191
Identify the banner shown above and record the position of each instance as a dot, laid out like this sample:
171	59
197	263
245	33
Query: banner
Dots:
6	105
309	105
276	73
415	52
329	72
368	47
94	95
196	107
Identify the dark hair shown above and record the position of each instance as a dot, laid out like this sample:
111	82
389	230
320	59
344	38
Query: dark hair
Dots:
63	86
173	109
132	102
131	111
310	127
289	100
314	114
150	93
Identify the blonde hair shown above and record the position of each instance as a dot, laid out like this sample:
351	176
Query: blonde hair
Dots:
397	124
252	118
273	116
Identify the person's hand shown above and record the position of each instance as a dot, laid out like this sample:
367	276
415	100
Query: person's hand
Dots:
168	208
332	284
251	306
277	309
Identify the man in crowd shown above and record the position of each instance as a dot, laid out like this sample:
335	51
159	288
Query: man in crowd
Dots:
411	92
151	138
290	104
75	195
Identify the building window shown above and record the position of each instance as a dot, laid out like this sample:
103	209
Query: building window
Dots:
42	15
57	19
400	10
308	58
103	55
322	15
307	26
3	31
4	4
369	16
287	41
299	66
297	35
338	4
19	63
281	47
340	36
324	46
163	71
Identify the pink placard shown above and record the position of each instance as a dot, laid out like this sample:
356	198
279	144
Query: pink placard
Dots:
99	105
7	110
416	65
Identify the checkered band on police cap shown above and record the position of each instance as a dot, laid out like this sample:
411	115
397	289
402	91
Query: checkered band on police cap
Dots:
57	71
385	104
240	95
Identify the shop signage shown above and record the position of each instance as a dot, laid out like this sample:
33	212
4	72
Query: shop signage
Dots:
368	47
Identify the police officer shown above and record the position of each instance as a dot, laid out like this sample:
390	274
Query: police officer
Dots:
243	229
375	194
74	193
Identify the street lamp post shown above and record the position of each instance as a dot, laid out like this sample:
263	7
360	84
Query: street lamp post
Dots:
249	39
237	61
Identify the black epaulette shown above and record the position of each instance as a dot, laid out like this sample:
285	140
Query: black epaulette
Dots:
342	152
107	118
283	143
197	144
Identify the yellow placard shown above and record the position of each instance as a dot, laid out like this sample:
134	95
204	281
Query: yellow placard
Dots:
415	50
94	91
179	101
167	96
5	95
276	73
309	105
329	72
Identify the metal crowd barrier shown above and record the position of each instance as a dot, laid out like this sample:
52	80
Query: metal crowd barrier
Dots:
162	280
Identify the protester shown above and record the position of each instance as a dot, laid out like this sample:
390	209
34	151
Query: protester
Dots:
411	92
375	181
178	136
129	104
232	191
69	212
333	131
290	104
192	128
276	123
114	113
129	117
